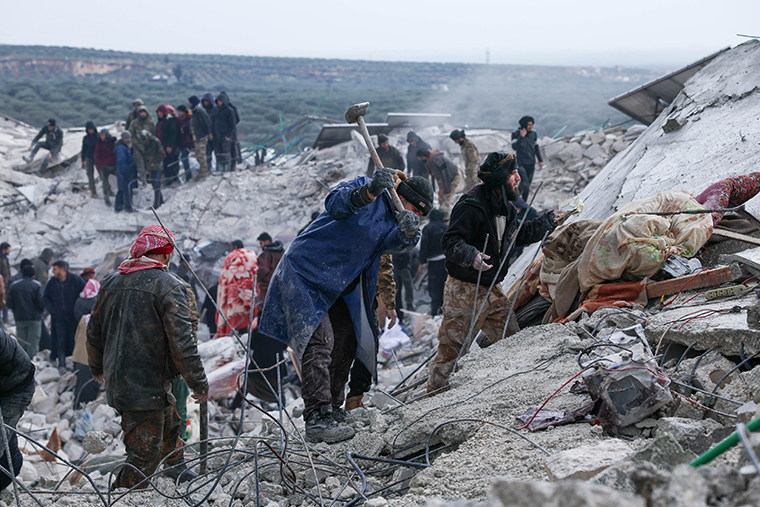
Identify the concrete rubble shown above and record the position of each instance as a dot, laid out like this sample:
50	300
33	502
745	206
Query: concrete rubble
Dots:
462	447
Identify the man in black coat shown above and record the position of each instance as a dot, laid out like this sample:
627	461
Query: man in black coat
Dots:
431	254
525	144
89	142
61	292
225	128
485	211
169	135
53	143
16	391
24	298
389	156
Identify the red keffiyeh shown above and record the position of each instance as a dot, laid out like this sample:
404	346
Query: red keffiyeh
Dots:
91	289
151	240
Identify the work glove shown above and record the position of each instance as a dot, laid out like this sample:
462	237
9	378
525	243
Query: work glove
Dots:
382	179
408	223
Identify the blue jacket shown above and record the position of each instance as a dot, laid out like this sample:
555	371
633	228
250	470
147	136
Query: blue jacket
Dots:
344	243
125	164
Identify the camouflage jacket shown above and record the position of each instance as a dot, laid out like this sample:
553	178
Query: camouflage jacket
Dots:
153	153
138	125
470	155
386	285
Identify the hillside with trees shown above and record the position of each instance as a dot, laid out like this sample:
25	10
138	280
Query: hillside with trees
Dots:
75	85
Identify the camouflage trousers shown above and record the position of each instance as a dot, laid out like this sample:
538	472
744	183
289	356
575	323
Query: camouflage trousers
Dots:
458	298
149	437
470	177
201	157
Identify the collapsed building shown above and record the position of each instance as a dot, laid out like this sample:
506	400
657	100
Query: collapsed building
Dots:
533	419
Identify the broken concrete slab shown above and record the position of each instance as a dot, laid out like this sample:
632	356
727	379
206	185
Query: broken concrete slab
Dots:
691	434
572	493
585	462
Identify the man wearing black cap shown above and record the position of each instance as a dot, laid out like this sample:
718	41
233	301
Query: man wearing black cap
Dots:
389	156
525	144
486	210
320	299
471	158
53	143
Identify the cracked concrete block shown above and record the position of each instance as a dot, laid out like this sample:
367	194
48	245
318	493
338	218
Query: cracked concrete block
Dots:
691	434
518	493
586	461
592	151
686	488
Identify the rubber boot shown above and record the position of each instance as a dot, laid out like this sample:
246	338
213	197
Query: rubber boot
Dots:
180	471
321	427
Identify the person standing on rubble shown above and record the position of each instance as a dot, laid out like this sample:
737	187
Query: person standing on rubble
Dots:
414	165
271	253
5	274
486	210
139	339
126	173
444	171
134	113
224	133
185	139
89	142
16	391
154	155
235	292
167	130
25	299
389	156
53	143
320	298
144	121
59	297
201	125
471	158
431	254
207	101
525	144
42	266
105	162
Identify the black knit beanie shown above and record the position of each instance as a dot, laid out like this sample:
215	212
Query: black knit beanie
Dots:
417	190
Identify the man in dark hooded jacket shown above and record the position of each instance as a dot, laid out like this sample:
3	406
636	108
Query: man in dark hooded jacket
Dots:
444	171
224	132
42	266
485	211
207	101
53	143
525	144
89	142
16	391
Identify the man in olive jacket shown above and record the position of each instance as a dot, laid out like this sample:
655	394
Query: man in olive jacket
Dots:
139	339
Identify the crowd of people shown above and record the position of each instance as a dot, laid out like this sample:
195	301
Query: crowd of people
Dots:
326	302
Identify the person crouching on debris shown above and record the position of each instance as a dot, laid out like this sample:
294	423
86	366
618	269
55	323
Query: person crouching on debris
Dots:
126	173
486	210
320	298
53	143
139	338
16	391
153	155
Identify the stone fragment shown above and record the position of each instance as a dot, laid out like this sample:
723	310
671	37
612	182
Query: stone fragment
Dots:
672	125
686	488
592	151
46	375
689	433
517	493
586	461
96	442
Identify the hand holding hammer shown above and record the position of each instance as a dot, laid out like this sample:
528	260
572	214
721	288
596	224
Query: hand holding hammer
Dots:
355	114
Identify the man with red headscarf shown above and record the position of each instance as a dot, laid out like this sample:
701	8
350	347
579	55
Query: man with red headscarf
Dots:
139	338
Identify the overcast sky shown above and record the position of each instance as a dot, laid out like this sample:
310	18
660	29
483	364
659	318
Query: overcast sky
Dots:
649	33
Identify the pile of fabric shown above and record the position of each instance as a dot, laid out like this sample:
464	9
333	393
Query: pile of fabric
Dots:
588	264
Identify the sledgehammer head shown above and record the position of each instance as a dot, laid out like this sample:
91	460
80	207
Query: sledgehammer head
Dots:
356	111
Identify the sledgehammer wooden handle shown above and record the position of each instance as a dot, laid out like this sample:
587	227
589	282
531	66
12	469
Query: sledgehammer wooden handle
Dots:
355	114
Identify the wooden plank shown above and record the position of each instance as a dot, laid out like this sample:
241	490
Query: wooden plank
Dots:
709	278
735	235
